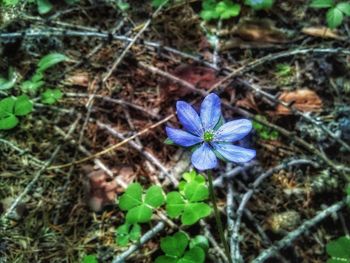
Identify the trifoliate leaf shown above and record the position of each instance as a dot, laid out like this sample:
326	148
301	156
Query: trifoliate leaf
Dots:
344	7
44	6
174	246
200	241
7	106
195	192
23	106
339	249
50	60
321	3
194	212
175	204
139	214
154	196
90	259
165	259
8	122
194	255
135	232
123	235
50	96
132	197
334	17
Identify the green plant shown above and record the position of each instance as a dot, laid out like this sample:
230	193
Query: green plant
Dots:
11	108
175	249
10	81
122	5
139	205
212	10
90	259
259	4
339	250
188	202
262	131
51	96
127	232
45	6
336	11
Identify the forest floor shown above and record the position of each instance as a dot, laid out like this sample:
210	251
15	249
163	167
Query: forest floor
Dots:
281	68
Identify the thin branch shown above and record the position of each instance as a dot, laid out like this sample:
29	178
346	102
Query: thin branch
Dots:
302	229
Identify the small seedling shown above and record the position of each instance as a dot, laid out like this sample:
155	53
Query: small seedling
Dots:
259	4
126	233
11	108
140	205
336	11
175	249
339	250
51	96
264	132
212	10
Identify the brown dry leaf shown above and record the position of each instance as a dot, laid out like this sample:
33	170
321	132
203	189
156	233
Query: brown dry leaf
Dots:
79	79
201	77
304	100
248	102
323	32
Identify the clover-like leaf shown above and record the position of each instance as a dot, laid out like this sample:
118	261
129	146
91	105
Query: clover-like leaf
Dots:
8	122
139	214
194	255
154	196
90	259
50	60
132	197
200	241
7	105
174	246
334	17
23	106
195	192
344	7
135	232
50	96
122	237
194	212
339	250
175	204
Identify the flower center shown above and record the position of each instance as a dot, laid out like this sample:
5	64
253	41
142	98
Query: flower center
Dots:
208	136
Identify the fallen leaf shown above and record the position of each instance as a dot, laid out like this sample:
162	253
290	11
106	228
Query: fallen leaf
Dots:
323	32
79	79
304	100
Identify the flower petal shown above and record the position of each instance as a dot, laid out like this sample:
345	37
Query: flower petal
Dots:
234	153
210	111
189	118
182	138
204	158
233	130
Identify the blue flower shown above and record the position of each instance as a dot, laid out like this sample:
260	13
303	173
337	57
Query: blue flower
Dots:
209	135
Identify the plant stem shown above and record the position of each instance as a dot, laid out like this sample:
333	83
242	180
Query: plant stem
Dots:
217	216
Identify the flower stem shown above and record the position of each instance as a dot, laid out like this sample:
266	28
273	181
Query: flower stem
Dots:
217	216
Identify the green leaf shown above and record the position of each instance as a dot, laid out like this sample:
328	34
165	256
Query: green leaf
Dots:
339	249
167	141
334	17
344	7
8	122
135	232
31	86
165	259
44	6
6	84
154	196
122	232
132	197
194	255
195	192
200	241
23	106
50	96
123	5
157	3
175	204
321	3
227	9
194	212
50	60
174	246
139	214
7	106
261	4
90	259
